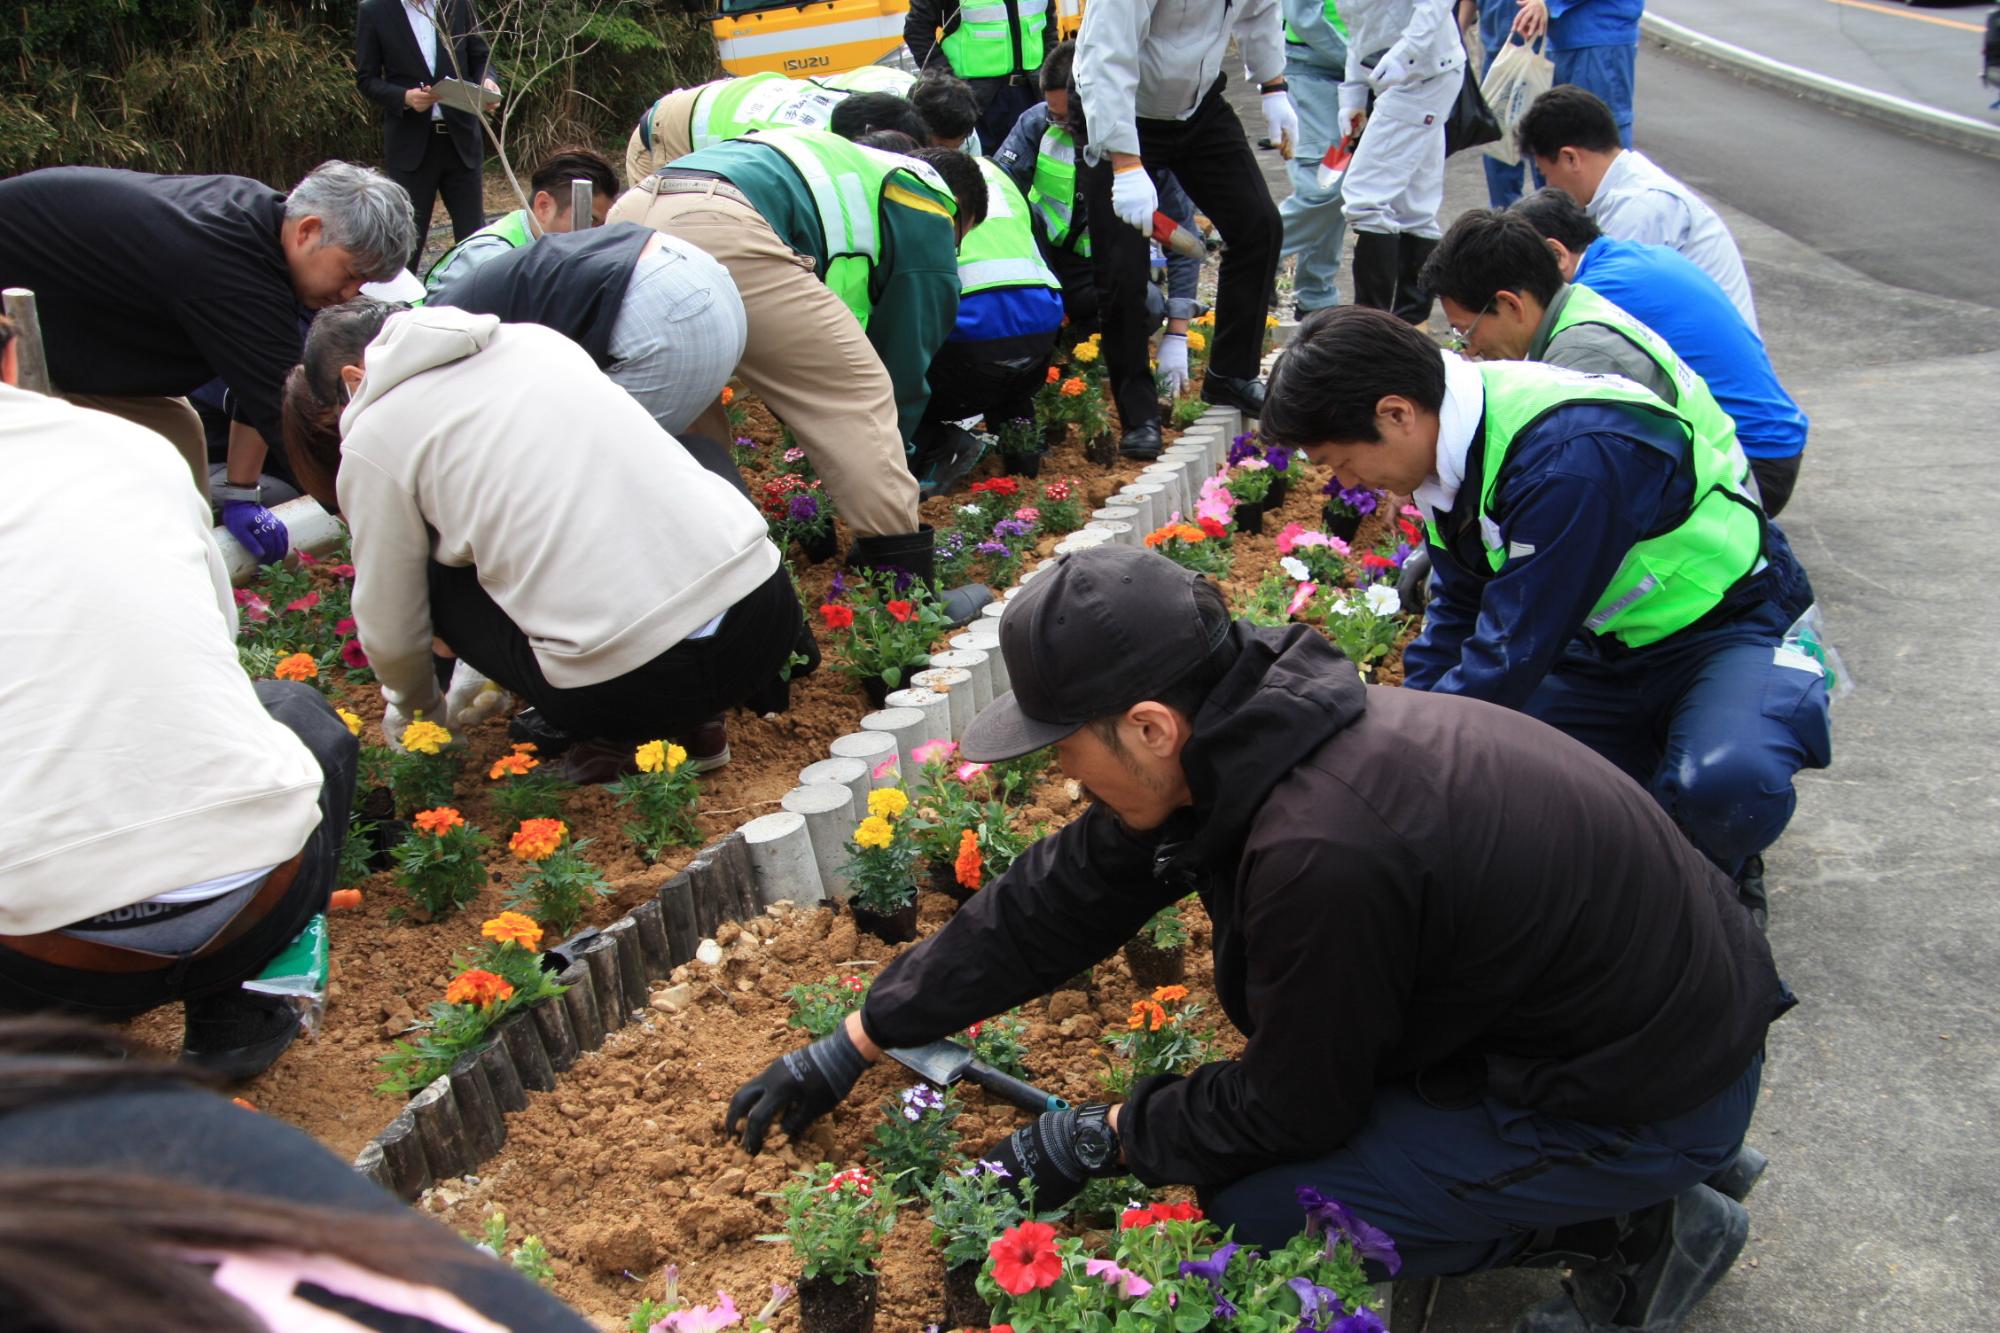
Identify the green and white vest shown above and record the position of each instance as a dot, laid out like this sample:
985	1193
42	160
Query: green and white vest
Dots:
996	37
515	229
768	101
1052	189
1001	251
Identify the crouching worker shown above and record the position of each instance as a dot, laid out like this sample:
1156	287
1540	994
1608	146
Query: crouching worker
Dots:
611	582
1550	1008
166	826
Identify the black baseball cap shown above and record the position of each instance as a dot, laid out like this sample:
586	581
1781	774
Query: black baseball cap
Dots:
1105	628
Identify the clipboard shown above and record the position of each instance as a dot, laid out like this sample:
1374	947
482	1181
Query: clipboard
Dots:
462	96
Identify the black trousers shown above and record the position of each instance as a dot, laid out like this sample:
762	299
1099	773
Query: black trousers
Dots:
1215	164
1002	99
995	379
443	173
28	984
672	694
1775	479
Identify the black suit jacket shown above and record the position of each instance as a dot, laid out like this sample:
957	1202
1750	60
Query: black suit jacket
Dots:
388	62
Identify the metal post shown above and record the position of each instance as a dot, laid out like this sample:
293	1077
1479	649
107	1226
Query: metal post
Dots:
581	194
19	306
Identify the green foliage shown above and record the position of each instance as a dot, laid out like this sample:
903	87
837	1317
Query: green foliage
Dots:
537	794
1269	603
1016	778
818	1007
453	1029
663	795
1166	930
969	1207
1002	1042
557	888
834	1222
1161	1037
915	1138
356	851
443	871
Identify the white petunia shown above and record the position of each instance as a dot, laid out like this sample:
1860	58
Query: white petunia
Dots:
1382	599
1295	569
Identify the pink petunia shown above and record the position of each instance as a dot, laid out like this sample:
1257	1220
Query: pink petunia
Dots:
342	571
308	558
701	1318
1130	1285
344	625
1300	598
888	768
252	606
1289	537
350	653
930	750
967	772
305	603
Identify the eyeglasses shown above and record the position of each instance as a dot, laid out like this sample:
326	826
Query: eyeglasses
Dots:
1458	340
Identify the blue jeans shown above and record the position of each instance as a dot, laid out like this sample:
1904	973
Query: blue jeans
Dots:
1496	21
1715	727
1315	223
1465	1187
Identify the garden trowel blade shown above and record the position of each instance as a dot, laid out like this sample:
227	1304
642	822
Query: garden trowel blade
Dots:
942	1062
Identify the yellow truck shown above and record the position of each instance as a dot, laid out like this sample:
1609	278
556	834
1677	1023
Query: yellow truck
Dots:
822	37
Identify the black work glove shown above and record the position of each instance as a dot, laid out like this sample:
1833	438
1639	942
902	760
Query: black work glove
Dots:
1413	581
804	1085
1045	1151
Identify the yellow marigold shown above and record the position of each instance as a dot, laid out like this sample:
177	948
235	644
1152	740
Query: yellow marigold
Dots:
515	764
1146	1015
353	721
1196	342
514	928
424	737
651	757
299	666
874	832
525	747
888	802
676	756
1270	321
439	821
1072	388
537	839
479	987
969	867
1085	352
1168	994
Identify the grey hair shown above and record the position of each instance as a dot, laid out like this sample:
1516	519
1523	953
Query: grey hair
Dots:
362	210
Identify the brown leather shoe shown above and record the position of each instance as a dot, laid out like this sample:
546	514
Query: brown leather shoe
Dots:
707	745
587	763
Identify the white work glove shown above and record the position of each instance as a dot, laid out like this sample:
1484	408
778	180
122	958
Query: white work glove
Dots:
1281	122
1133	197
471	699
1173	361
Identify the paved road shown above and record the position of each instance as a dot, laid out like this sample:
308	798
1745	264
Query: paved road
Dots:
1926	55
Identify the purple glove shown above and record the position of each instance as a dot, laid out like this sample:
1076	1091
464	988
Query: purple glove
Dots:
260	531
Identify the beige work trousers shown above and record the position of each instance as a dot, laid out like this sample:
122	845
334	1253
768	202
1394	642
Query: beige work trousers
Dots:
671	115
806	356
174	418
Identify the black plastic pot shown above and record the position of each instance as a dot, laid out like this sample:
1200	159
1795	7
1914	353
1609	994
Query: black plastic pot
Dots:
877	690
1249	515
1021	465
1102	451
1339	521
823	547
897	927
964	1307
388	835
826	1306
1055	435
944	879
1281	490
1153	968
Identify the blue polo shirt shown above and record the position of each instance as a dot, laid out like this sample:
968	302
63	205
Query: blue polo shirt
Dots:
1673	297
1006	312
1580	23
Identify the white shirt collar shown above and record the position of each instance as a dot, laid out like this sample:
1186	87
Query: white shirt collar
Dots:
1458	419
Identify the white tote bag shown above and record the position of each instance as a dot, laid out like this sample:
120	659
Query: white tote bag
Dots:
1520	74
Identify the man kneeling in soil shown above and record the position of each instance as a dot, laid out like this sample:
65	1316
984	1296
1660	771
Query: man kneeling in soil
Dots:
1494	1001
166	826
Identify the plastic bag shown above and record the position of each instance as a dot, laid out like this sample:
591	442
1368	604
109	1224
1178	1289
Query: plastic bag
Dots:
1807	637
298	974
1520	74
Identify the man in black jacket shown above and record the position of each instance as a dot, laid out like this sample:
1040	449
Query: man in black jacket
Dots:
400	50
1494	1002
998	48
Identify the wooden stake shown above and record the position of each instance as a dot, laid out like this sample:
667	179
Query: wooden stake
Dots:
503	1067
371	1163
441	1128
652	932
485	1121
403	1151
558	1038
624	932
677	906
581	1002
606	982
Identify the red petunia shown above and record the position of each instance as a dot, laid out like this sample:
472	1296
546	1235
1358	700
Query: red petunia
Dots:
837	616
342	571
305	603
1409	529
902	611
351	654
1025	1258
1213	527
1373	561
344	625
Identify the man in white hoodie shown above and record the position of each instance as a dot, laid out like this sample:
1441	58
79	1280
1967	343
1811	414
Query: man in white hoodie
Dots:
166	826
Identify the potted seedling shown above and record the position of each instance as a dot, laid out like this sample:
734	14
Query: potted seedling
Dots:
662	795
1001	1042
1249	481
915	1139
1363	623
1345	507
882	869
818	1007
882	634
969	1207
1157	954
1061	509
834	1222
1020	447
1160	1037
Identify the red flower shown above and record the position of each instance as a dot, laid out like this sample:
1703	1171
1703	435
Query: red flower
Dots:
1158	1213
996	486
1025	1258
1213	527
305	603
1135	1217
902	611
308	558
344	625
342	571
1373	561
351	654
836	616
1409	530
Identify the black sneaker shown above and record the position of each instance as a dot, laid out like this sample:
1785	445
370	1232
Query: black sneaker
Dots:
1141	442
1246	396
237	1034
548	739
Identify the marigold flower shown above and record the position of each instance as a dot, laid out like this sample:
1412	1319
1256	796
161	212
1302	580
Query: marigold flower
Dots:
1196	341
969	866
651	757
888	802
478	987
514	928
515	764
874	832
837	617
1146	1015
537	839
424	737
1072	388
900	611
1054	374
1085	352
439	821
353	721
526	747
728	395
1169	994
299	666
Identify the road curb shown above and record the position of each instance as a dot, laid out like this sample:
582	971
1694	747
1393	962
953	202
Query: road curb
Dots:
1901	113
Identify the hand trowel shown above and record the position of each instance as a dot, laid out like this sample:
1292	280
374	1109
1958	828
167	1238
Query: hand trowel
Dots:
945	1062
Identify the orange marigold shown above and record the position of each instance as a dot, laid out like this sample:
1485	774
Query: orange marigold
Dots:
537	839
515	764
969	865
1146	1014
1072	388
1054	374
440	821
1168	994
728	395
525	747
299	666
478	987
514	928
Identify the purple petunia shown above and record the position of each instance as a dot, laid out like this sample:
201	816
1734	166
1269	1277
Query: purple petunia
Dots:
802	509
1278	457
1318	1306
1242	448
1361	1321
1010	528
1332	1217
994	548
1358	498
837	589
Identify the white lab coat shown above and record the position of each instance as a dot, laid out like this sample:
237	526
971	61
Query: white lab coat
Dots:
1408	53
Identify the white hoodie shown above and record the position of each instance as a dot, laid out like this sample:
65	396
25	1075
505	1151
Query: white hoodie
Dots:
503	447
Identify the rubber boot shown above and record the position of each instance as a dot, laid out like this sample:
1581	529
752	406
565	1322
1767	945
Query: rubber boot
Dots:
1740	1175
946	454
237	1034
914	553
1413	300
1667	1259
1375	259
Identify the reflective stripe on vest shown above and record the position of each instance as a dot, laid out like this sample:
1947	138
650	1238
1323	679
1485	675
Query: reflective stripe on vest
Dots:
715	107
989	41
513	229
1333	20
1001	251
846	182
870	79
1052	189
1581	305
1665	583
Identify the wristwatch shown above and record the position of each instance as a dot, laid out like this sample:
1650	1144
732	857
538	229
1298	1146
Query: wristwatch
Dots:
228	491
1096	1141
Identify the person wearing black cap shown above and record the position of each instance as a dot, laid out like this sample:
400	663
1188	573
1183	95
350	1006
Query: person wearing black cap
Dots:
1493	1001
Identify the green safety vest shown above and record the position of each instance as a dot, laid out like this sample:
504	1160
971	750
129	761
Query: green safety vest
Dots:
1001	251
1052	189
870	79
1333	18
996	37
734	107
848	184
1581	305
515	229
1665	583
